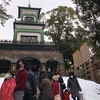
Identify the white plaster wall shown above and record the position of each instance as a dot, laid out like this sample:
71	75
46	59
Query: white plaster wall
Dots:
29	34
29	11
29	27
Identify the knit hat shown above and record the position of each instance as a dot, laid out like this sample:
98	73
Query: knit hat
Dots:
55	78
44	75
71	73
57	73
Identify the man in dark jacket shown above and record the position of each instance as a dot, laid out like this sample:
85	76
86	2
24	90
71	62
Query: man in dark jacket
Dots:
41	72
74	86
50	74
30	94
21	78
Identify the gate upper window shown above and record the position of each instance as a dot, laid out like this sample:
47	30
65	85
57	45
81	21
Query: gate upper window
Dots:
29	19
26	38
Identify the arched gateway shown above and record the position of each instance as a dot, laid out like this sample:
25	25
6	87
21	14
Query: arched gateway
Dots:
53	64
33	62
36	64
28	43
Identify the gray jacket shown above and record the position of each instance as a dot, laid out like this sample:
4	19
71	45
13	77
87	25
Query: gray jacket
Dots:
74	86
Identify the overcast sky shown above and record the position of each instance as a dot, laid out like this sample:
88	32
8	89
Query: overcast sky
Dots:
6	32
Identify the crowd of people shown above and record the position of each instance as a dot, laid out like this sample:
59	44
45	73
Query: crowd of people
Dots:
26	85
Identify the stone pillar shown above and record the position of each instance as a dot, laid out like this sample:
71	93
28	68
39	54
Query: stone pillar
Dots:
62	69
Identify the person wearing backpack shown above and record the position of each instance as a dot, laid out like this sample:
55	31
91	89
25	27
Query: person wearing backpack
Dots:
45	87
30	89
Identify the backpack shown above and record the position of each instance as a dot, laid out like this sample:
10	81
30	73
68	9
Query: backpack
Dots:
28	86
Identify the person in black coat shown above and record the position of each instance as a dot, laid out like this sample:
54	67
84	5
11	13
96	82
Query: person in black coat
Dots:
74	86
60	80
30	94
50	74
41	72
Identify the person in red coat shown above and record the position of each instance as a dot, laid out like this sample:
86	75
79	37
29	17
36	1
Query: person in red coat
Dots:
8	86
67	94
55	87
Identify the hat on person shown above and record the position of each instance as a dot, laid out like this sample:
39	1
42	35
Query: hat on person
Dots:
55	78
44	75
71	73
57	73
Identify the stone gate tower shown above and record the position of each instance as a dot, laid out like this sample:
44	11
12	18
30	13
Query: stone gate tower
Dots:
28	43
29	28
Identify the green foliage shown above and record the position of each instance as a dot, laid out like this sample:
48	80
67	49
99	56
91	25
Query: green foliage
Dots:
60	22
3	12
67	65
2	75
63	25
91	19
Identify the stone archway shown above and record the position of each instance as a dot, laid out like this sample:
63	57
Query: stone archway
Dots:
5	65
33	62
53	64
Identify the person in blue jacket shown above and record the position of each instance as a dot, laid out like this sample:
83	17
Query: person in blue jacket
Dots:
30	94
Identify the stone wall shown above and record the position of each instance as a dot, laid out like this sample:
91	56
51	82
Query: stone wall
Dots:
42	56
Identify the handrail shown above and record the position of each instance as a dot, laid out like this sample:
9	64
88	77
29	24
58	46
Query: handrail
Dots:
35	22
25	42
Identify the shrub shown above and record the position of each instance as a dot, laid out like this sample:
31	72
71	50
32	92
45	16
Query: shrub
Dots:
2	75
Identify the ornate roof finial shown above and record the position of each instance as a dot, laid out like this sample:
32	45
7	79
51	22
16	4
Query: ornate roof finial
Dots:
29	4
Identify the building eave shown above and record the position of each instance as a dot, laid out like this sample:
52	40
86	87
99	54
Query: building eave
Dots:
32	24
28	8
29	47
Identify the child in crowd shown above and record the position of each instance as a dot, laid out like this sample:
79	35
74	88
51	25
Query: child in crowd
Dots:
8	86
67	94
